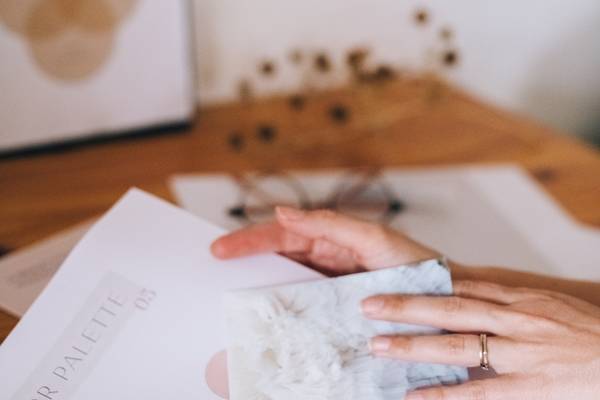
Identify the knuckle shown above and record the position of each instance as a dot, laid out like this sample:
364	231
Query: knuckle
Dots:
402	345
437	393
325	214
320	247
453	305
289	241
361	257
455	344
393	304
466	287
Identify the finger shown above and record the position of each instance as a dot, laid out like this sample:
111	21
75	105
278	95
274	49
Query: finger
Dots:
261	238
503	388
488	291
327	258
455	349
507	295
319	254
373	245
448	312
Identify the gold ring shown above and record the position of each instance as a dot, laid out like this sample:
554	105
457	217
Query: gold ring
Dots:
484	361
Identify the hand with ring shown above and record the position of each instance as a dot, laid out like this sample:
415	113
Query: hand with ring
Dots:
542	344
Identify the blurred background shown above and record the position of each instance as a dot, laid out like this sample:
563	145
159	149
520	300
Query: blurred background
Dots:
73	69
539	58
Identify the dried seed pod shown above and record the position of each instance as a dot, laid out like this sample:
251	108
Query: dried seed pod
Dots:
236	141
322	62
237	212
267	68
421	16
450	58
356	58
384	73
266	133
339	113
297	101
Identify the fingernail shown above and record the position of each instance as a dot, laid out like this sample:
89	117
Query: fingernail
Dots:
372	306
289	213
217	249
380	344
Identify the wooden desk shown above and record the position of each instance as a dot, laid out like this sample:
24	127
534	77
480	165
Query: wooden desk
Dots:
402	123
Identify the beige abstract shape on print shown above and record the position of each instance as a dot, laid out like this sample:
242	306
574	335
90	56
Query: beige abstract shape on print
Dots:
216	375
73	54
69	40
15	13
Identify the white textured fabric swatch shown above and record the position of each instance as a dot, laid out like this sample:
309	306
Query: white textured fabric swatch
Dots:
309	341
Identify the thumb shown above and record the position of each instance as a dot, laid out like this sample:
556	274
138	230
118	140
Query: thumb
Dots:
373	245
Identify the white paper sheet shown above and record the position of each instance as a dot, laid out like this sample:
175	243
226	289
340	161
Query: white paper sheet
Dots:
476	215
134	311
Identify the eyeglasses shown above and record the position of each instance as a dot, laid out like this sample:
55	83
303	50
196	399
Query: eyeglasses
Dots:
361	193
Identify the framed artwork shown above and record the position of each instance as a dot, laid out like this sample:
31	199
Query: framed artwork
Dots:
81	68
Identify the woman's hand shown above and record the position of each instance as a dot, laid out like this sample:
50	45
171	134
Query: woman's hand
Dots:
327	241
542	344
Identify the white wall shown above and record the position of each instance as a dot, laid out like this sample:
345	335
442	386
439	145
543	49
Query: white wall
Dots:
541	57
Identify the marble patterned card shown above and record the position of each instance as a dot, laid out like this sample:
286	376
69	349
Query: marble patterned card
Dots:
309	341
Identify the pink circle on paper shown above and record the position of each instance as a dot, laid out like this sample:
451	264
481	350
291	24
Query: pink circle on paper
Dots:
216	375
